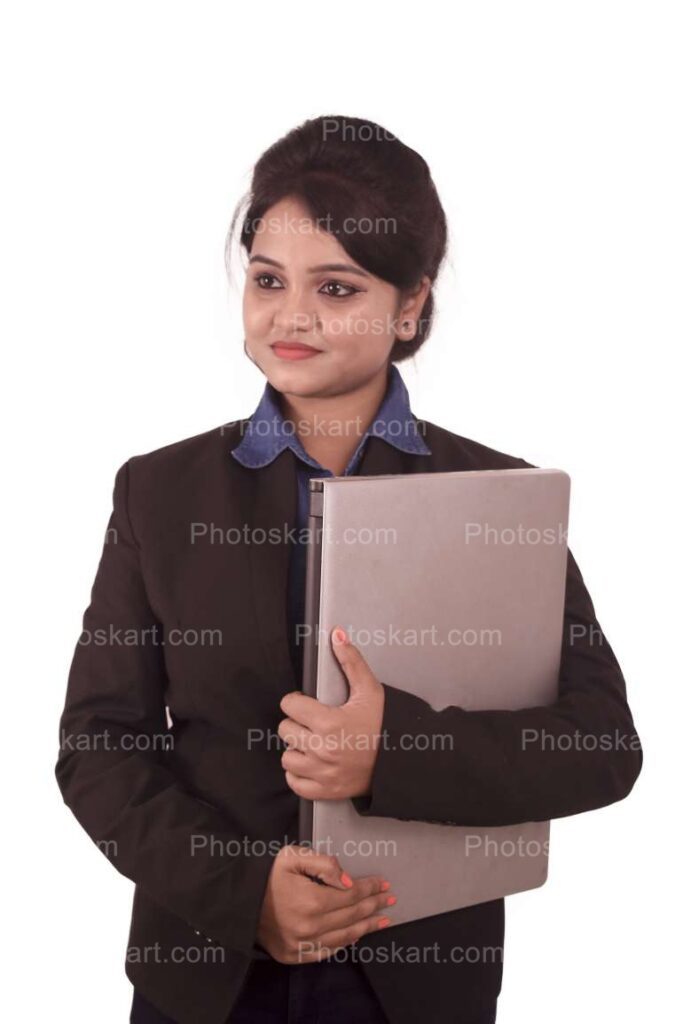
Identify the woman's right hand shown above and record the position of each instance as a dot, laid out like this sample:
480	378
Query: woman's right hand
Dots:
303	921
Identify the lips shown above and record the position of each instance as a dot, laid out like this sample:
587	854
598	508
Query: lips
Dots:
293	350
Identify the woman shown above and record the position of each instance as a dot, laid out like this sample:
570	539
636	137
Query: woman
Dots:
184	738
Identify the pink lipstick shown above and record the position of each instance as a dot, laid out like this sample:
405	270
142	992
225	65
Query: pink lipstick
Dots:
294	350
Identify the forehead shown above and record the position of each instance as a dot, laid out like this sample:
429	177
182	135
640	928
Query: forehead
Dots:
289	233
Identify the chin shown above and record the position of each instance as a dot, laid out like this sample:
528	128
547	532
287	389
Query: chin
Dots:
297	378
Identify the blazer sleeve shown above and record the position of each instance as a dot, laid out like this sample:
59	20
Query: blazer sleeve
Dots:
113	771
494	768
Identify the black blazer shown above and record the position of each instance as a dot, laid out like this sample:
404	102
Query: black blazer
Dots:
195	817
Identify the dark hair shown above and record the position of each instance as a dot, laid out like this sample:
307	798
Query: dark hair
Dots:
350	170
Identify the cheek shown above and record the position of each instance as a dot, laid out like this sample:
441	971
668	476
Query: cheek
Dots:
250	319
256	315
366	322
362	337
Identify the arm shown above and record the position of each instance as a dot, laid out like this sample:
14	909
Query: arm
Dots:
507	767
118	783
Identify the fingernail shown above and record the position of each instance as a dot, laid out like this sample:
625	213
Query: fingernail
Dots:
384	921
338	636
391	901
385	886
346	880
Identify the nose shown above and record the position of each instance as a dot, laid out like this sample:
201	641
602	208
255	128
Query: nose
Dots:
292	315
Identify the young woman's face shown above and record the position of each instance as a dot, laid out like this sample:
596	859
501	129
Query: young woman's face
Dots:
302	287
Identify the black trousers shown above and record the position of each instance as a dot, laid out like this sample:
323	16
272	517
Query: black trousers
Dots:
324	992
313	993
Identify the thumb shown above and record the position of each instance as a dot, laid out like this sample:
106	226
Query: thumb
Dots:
354	665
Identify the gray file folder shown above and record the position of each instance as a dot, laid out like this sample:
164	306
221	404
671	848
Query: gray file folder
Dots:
473	564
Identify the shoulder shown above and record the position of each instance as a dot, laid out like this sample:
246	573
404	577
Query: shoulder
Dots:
180	465
190	450
465	453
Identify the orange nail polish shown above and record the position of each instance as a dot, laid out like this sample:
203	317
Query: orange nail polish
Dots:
385	886
346	880
391	901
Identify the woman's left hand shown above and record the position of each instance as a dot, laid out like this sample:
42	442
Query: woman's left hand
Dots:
332	751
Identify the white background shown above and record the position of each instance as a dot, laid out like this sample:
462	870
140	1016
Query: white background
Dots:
553	131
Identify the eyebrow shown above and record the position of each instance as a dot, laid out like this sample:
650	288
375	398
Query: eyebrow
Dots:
347	267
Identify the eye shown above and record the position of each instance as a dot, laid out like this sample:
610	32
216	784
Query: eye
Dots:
349	289
269	277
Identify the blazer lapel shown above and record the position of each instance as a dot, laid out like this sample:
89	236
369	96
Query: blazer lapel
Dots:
271	510
381	458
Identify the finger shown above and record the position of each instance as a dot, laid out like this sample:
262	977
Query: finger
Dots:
328	900
337	920
309	789
326	945
295	735
306	711
305	766
304	860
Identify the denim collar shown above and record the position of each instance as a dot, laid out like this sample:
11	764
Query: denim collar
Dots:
267	433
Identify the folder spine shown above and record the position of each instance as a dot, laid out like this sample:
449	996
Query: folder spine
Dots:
311	616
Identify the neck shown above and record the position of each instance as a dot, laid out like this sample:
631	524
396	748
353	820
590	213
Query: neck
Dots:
330	427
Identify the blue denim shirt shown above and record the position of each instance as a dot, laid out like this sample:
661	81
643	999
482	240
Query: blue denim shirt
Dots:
268	434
